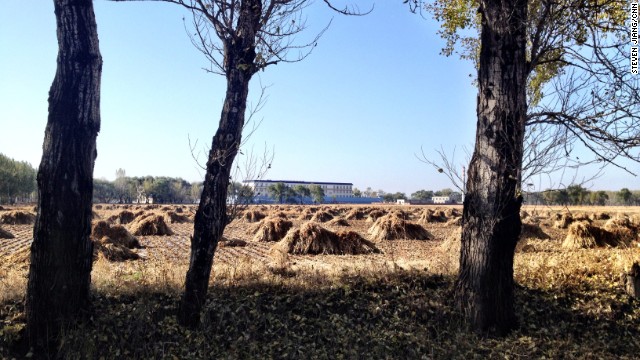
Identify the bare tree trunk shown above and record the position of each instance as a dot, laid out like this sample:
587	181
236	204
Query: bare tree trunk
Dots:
491	216
211	217
61	253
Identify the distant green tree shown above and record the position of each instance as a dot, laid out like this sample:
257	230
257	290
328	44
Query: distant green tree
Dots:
317	193
577	194
357	192
598	198
625	196
300	191
239	193
422	195
556	197
104	191
278	191
399	195
17	180
196	191
388	198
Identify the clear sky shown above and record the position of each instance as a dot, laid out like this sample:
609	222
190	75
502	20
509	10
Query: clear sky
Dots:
359	109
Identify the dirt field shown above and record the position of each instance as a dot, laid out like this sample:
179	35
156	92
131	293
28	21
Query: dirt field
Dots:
565	296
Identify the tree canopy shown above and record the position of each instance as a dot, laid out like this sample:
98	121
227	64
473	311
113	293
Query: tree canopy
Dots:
17	180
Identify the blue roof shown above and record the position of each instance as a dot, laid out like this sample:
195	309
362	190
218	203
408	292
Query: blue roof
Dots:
299	182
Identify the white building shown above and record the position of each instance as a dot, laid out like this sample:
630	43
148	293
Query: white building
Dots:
441	200
331	189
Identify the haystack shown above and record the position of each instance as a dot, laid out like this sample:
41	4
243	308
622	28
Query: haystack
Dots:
563	221
532	231
113	251
117	234
401	214
123	217
272	229
338	222
391	227
583	235
306	214
452	212
600	216
452	242
278	214
175	218
430	216
622	228
354	214
322	216
456	221
153	224
375	214
252	216
4	234
232	243
313	239
17	217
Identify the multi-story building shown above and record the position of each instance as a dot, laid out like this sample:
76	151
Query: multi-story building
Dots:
331	189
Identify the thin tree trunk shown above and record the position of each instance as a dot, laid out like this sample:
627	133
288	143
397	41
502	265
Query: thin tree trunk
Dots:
491	215
61	253
211	216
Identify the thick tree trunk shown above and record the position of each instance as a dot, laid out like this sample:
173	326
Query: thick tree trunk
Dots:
491	215
211	216
61	253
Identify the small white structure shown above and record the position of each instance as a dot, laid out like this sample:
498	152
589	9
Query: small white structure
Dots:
441	199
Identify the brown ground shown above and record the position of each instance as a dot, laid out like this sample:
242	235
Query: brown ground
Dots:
571	303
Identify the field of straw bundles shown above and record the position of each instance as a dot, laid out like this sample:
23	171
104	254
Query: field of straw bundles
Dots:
338	282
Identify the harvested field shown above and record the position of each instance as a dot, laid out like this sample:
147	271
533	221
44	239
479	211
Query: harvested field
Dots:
395	301
17	217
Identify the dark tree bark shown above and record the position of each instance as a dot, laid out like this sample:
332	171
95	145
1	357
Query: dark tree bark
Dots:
211	217
491	215
61	253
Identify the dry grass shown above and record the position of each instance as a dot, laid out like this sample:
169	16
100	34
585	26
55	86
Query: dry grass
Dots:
563	221
17	217
355	214
338	222
150	224
113	250
123	217
322	216
174	217
117	234
391	227
374	214
584	235
313	239
4	234
364	306
272	229
253	215
432	216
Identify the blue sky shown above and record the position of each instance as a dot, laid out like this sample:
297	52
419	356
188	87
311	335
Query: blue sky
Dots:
358	109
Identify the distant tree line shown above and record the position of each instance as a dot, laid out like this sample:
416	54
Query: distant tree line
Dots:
298	194
418	195
162	189
578	195
17	181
